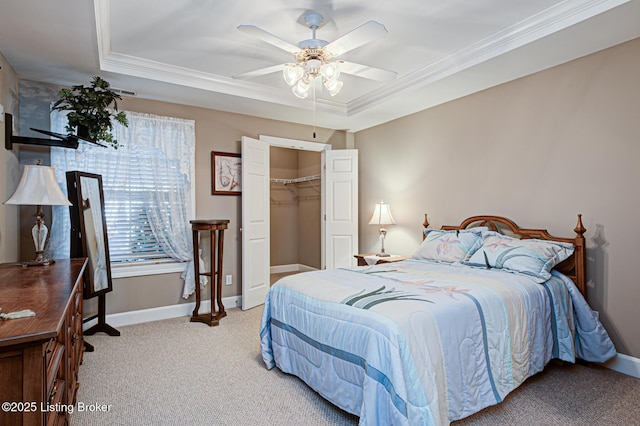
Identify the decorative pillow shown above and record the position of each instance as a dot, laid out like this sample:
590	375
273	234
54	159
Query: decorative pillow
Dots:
532	257
449	246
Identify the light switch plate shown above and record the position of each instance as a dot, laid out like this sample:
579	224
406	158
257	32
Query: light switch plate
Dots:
1	113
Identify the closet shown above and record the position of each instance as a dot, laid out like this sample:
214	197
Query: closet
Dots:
317	230
295	210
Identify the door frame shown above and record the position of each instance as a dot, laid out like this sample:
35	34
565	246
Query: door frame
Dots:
295	144
259	285
298	145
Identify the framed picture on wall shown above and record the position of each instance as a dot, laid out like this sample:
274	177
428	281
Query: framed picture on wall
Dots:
226	173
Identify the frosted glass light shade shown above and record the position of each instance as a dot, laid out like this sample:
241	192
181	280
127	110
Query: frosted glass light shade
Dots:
292	73
333	87
38	187
301	89
382	215
330	71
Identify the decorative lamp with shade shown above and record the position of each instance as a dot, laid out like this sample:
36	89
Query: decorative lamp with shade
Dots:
39	187
382	216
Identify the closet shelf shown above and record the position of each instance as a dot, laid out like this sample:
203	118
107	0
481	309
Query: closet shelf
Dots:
296	180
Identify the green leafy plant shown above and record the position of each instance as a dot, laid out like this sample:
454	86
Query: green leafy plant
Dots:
89	116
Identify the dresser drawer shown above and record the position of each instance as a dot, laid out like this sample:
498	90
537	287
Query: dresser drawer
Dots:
55	371
54	415
49	349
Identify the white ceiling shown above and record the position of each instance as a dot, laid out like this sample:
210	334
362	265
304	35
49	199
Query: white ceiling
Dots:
186	51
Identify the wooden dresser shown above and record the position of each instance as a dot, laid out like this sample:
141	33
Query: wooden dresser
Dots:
40	355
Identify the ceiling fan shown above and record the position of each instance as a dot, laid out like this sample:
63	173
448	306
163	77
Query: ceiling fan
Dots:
316	57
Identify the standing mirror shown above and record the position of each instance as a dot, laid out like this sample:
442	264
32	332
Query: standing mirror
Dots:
89	239
89	231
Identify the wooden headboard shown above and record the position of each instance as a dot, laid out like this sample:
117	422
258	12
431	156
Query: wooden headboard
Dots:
574	267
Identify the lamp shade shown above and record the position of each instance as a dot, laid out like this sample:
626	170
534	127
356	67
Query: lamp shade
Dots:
382	215
38	187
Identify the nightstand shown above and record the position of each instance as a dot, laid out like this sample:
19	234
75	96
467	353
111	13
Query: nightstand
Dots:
372	257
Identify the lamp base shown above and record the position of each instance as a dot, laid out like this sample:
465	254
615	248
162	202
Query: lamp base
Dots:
383	255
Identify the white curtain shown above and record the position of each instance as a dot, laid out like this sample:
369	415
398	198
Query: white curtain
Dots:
151	143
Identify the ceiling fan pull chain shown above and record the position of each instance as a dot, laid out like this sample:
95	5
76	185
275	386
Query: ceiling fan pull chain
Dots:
314	110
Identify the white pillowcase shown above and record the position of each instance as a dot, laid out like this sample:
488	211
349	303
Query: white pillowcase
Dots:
449	246
531	257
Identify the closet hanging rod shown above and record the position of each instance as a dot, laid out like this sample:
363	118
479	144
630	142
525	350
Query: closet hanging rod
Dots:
296	180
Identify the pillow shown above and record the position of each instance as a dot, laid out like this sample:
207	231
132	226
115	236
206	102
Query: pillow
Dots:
449	246
532	257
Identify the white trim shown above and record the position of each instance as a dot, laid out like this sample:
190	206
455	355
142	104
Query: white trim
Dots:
550	21
294	267
624	364
146	268
295	144
162	312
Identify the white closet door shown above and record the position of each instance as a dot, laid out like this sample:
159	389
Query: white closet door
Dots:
340	208
255	222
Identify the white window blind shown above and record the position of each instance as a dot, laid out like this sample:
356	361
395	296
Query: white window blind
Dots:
131	237
147	186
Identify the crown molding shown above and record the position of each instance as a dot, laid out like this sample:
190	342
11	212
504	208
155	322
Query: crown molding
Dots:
543	24
140	67
556	18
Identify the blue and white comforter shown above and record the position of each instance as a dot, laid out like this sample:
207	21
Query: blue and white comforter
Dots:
422	343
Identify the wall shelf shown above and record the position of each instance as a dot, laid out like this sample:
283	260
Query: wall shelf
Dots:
292	184
64	141
296	180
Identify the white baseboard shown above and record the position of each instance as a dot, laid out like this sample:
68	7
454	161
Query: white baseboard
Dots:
294	267
624	364
163	312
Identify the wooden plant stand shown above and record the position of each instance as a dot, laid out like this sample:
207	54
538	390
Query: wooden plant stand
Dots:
216	229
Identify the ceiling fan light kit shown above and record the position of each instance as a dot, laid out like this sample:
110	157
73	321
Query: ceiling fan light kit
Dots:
315	58
301	74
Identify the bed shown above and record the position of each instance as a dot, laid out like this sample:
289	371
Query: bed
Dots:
476	310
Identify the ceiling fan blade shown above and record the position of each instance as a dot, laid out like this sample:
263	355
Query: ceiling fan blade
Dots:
366	71
265	36
364	34
258	73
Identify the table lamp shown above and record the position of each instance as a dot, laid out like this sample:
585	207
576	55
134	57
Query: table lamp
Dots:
39	187
382	216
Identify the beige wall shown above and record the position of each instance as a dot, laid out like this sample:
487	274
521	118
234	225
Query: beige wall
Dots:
539	150
283	208
215	131
309	210
9	236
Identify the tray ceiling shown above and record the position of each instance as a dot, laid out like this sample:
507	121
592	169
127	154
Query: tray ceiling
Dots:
186	51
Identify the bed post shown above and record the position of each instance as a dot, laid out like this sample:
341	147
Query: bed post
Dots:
425	224
580	256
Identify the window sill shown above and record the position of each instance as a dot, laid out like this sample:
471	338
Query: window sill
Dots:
146	268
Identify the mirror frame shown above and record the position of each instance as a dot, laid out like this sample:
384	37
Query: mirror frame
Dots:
79	246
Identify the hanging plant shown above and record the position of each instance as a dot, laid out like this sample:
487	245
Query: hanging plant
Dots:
89	116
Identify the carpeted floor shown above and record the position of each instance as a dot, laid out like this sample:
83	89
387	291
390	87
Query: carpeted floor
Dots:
175	372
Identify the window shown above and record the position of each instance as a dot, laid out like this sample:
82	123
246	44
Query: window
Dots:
148	187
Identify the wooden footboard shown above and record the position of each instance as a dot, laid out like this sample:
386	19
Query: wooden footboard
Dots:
574	267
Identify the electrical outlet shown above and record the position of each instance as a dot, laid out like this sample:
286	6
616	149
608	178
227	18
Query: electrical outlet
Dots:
229	280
